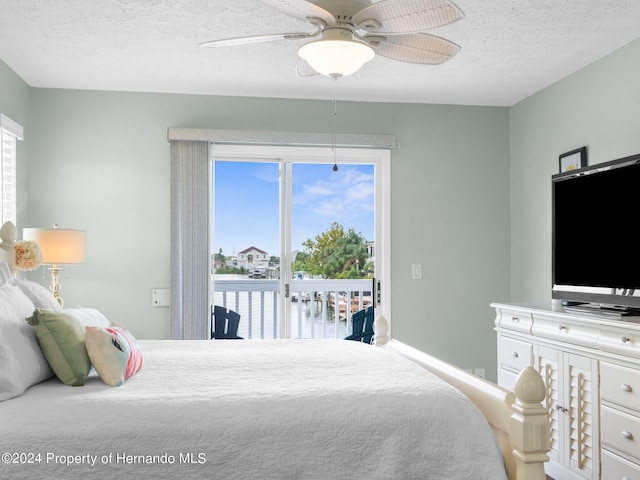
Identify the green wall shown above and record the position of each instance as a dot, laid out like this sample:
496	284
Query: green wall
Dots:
597	107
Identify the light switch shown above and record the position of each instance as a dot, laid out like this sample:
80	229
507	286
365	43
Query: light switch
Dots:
416	271
160	297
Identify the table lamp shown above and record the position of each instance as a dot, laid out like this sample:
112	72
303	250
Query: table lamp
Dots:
59	246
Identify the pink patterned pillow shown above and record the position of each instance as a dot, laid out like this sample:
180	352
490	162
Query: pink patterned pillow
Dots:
114	353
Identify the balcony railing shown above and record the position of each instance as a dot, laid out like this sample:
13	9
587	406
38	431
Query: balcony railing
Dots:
319	308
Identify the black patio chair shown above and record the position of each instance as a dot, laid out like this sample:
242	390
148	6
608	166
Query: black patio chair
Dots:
225	324
362	322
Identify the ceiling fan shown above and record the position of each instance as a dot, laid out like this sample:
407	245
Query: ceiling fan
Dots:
352	32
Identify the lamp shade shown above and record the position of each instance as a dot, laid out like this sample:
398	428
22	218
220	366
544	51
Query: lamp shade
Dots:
58	245
337	54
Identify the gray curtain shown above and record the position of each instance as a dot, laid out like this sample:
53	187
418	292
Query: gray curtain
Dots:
190	309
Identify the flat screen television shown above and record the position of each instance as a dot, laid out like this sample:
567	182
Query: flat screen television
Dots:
595	243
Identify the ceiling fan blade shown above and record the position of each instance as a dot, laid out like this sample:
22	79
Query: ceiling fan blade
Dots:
303	69
406	16
417	48
275	37
302	10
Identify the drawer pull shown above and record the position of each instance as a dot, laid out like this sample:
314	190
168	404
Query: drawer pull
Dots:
627	434
563	328
626	339
625	387
515	319
515	355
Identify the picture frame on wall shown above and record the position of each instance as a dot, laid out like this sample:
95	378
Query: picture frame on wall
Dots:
573	160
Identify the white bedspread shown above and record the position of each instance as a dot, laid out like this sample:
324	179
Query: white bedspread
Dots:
252	410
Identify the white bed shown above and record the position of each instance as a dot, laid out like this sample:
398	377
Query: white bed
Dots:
283	409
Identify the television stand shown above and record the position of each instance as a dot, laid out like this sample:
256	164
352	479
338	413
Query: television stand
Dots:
590	364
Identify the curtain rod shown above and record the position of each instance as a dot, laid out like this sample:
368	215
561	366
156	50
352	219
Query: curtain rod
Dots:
300	139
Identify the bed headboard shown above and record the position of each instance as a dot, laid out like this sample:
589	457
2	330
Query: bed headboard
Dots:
8	237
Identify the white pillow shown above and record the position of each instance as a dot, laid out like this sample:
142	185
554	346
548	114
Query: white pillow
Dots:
22	363
39	295
5	272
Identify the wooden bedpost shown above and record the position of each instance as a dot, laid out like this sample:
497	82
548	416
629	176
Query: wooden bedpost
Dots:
8	237
380	331
530	426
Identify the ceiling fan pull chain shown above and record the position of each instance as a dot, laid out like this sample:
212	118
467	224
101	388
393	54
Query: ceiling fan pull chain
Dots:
335	114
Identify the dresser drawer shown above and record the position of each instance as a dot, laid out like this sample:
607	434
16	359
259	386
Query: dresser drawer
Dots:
617	468
514	354
516	320
620	385
565	330
621	431
507	379
619	340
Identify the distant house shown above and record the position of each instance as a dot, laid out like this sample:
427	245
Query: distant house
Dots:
253	258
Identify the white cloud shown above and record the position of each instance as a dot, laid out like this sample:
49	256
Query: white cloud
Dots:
347	195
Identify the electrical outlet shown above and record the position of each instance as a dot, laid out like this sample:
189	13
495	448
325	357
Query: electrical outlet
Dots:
480	372
416	271
160	297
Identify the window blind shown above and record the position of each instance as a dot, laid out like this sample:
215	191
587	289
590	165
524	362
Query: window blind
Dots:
10	133
190	310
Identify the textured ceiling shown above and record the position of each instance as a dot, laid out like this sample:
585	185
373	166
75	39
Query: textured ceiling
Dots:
510	49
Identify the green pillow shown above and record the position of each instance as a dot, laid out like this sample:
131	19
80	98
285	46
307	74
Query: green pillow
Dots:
62	340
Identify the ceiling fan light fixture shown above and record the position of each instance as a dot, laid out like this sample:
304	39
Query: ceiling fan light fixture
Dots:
337	54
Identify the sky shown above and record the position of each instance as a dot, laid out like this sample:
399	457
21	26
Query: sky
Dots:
246	204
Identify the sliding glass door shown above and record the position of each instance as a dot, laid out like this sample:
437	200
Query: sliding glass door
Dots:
296	246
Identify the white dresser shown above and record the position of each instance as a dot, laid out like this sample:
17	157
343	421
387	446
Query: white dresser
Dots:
591	367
